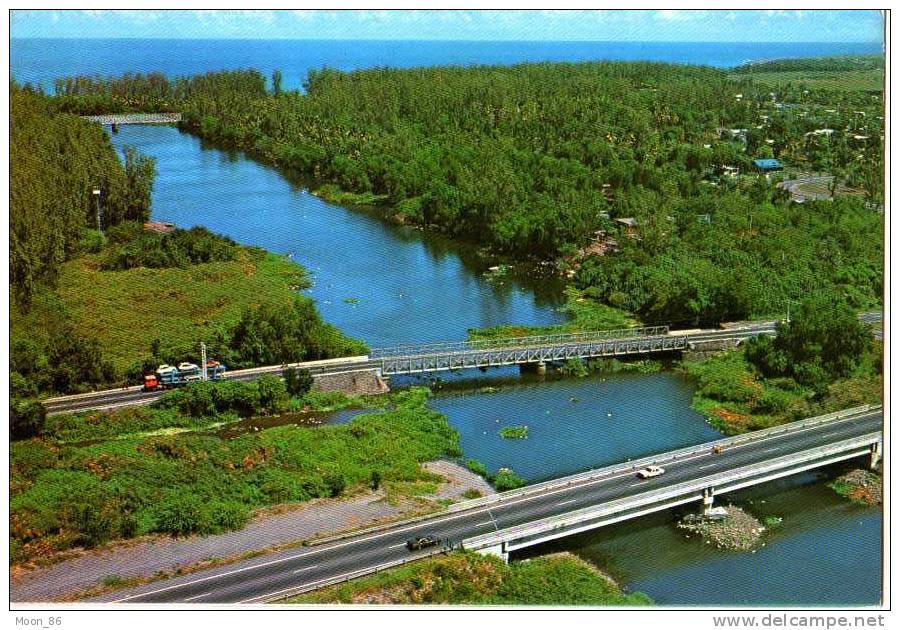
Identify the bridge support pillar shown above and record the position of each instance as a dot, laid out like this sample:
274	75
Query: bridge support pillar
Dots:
708	495
875	455
537	368
498	550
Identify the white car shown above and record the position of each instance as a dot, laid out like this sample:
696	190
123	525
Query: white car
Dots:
651	471
188	367
165	368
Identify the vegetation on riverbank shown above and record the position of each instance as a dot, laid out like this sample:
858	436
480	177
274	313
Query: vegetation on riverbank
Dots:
92	309
470	578
824	360
863	487
64	496
585	315
503	479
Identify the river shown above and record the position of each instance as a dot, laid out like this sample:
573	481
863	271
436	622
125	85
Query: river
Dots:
413	287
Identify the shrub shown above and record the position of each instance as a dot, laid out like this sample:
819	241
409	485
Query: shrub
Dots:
507	479
335	483
131	246
182	512
574	367
26	418
478	468
92	241
273	395
773	401
514	432
297	382
207	398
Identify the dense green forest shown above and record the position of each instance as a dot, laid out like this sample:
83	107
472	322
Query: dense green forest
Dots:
540	159
57	160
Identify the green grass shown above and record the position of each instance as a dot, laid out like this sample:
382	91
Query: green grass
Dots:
129	422
62	496
643	366
585	315
333	194
469	578
126	310
841	80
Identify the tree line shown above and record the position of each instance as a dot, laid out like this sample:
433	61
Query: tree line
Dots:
57	160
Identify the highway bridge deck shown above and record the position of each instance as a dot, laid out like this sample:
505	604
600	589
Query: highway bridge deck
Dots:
278	575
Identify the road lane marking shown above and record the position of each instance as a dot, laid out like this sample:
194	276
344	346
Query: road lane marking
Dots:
189	599
567	502
398	545
310	567
707	466
511	502
485	523
307	586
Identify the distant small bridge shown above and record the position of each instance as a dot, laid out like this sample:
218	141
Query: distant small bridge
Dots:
161	118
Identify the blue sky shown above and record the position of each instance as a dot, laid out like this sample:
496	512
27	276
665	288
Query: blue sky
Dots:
644	25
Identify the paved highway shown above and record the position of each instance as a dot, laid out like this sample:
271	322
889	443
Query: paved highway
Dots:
134	395
278	575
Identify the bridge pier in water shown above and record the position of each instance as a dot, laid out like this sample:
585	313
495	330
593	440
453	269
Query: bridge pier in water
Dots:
875	455
708	496
533	368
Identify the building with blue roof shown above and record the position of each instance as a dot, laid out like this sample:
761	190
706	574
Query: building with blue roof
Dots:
768	165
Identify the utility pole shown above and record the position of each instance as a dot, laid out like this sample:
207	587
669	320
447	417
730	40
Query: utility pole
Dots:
203	372
97	196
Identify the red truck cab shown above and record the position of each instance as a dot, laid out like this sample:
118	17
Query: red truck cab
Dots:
151	383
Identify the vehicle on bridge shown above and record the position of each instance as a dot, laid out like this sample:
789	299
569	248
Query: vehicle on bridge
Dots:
423	542
651	471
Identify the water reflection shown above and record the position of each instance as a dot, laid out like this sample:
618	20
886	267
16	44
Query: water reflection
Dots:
384	283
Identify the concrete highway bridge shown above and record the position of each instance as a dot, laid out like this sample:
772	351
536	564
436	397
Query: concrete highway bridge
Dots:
504	523
534	351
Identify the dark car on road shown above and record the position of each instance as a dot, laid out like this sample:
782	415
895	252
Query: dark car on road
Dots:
422	542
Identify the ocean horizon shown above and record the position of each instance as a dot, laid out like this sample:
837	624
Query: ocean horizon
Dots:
40	61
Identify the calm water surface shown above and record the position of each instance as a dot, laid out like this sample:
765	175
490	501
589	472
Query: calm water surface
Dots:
575	424
827	552
410	287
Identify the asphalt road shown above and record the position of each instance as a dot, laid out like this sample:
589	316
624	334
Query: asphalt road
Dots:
276	575
134	395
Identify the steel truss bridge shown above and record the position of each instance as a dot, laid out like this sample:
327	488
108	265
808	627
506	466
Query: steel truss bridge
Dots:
460	355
